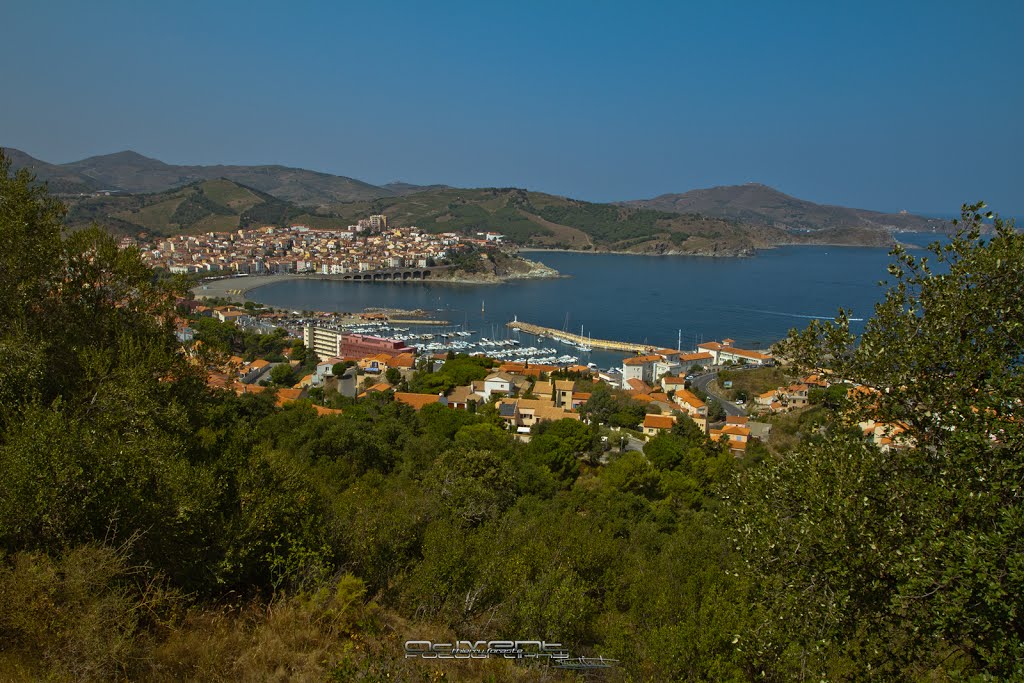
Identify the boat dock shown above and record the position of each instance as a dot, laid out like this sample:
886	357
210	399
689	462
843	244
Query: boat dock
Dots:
417	321
579	339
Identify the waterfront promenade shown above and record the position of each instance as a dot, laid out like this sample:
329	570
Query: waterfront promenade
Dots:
578	339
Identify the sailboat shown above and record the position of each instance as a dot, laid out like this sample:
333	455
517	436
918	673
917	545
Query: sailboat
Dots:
583	346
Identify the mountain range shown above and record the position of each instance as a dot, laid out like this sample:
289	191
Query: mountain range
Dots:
762	205
134	173
133	194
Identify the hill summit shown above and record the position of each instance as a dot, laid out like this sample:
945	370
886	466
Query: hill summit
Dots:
760	204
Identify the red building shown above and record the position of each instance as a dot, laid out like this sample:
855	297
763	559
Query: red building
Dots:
362	346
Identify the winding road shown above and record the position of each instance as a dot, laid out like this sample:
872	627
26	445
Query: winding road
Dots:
704	382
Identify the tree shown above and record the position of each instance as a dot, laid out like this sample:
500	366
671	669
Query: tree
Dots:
282	375
716	413
578	436
903	564
393	376
472	486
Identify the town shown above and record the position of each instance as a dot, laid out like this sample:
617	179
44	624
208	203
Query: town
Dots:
369	245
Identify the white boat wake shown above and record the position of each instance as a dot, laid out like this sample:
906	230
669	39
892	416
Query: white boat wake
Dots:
796	315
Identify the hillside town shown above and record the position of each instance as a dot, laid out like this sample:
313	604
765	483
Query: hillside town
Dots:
369	245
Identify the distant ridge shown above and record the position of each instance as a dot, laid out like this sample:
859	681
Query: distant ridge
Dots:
132	172
759	204
218	205
61	179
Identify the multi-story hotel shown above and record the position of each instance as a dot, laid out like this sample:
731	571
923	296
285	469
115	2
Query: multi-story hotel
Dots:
328	343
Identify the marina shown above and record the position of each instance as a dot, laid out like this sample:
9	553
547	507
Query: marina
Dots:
455	340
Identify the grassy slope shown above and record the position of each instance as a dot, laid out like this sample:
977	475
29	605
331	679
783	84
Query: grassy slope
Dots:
213	205
538	219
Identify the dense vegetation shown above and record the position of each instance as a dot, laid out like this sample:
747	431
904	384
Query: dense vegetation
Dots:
213	205
609	223
154	529
540	219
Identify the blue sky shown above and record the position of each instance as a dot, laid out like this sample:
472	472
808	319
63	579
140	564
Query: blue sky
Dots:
886	105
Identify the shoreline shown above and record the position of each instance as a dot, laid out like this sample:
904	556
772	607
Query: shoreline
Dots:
754	250
237	288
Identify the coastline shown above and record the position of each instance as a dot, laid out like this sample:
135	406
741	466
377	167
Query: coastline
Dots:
237	288
752	252
671	252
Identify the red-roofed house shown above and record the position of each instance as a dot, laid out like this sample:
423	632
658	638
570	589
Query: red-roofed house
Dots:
725	351
417	401
655	424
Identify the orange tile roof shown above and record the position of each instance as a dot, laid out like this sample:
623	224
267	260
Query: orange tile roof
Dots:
639	385
404	360
545	368
582	369
688	397
241	388
755	355
734	429
287	395
322	410
695	356
217	379
674	380
417	401
512	367
658	421
640	360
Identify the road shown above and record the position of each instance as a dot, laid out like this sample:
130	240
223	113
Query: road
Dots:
631	443
703	382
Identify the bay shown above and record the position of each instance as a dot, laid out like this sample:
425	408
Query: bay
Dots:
636	298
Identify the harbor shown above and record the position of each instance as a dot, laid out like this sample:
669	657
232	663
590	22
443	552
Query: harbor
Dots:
447	339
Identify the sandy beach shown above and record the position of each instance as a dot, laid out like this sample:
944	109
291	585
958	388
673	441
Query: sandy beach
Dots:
235	288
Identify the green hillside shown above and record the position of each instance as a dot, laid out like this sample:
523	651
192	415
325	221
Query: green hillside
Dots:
542	220
209	206
527	218
132	172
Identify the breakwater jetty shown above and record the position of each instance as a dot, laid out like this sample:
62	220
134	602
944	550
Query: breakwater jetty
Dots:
579	339
417	321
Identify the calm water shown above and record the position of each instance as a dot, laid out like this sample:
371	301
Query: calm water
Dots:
756	301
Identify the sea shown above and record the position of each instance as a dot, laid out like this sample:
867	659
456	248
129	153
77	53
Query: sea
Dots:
659	300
